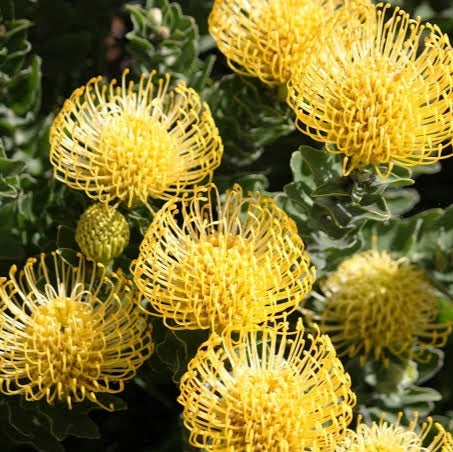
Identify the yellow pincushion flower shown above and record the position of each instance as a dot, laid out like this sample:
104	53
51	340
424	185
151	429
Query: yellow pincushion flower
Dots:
379	91
68	333
128	143
102	233
388	437
266	389
378	306
447	440
233	264
266	38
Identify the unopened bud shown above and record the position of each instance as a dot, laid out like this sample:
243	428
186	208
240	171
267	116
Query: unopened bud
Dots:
155	17
163	33
102	233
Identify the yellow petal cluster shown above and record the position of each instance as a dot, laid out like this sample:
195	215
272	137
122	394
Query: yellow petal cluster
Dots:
447	440
266	389
68	333
377	306
379	91
102	233
128	143
384	436
267	38
212	265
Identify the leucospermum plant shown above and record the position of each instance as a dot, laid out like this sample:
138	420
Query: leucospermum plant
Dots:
208	264
377	91
68	333
267	38
130	142
365	294
266	389
198	271
388	436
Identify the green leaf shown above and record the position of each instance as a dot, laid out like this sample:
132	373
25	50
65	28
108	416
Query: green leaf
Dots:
174	349
429	364
167	46
322	166
8	188
419	398
401	201
10	167
26	427
445	310
10	248
66	238
25	89
63	422
248	182
341	205
249	117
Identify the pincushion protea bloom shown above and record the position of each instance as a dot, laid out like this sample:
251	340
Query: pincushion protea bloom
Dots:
266	38
68	333
102	233
266	389
447	443
233	264
376	305
128	143
388	437
379	91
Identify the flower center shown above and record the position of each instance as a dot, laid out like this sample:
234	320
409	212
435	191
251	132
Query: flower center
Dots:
375	112
64	346
223	280
388	438
365	296
266	414
140	154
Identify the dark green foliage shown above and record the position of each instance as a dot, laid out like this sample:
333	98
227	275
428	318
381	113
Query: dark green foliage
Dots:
331	209
163	39
43	426
249	116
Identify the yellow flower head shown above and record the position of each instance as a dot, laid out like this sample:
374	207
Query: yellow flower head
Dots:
233	264
128	143
266	38
67	333
379	91
266	389
376	305
387	437
447	439
102	233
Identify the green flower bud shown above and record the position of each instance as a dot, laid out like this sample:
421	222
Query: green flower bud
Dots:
102	233
155	17
163	33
